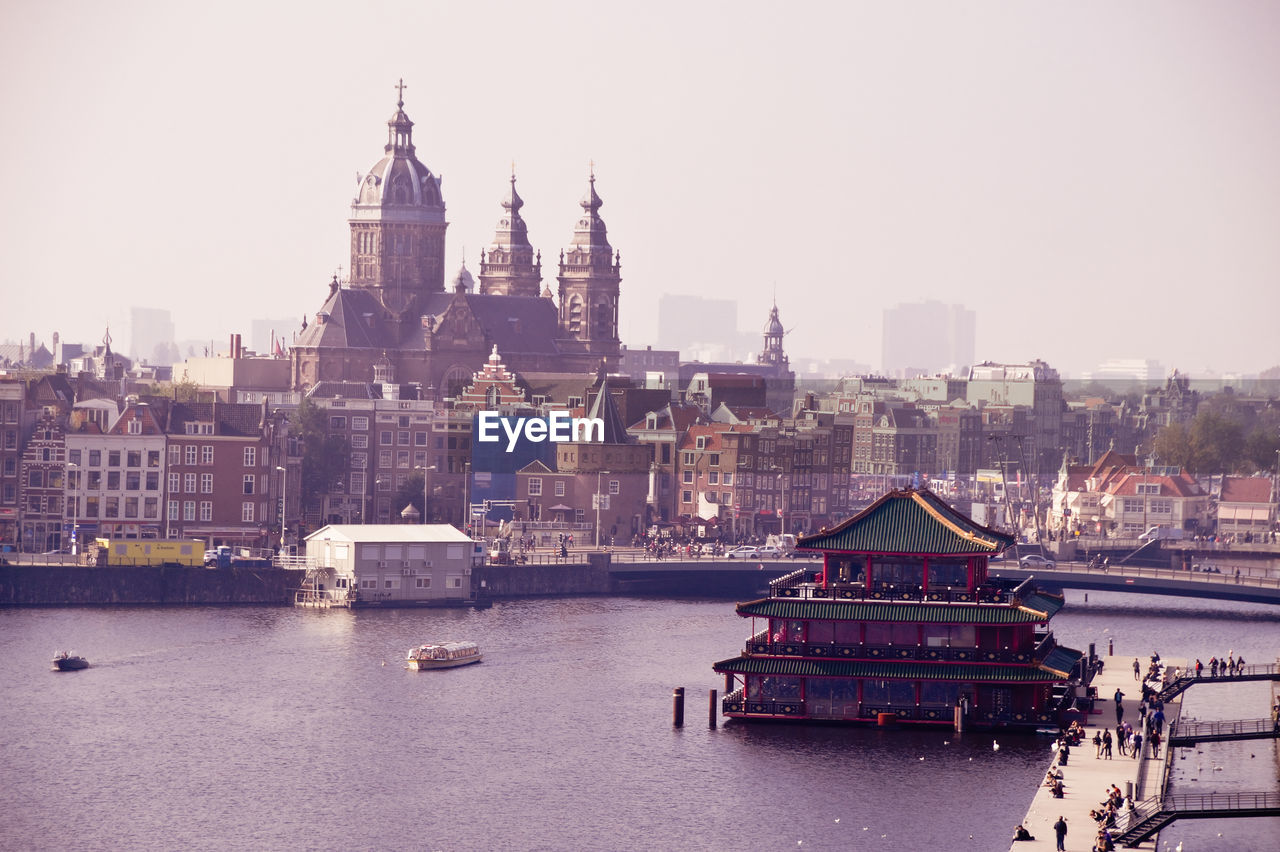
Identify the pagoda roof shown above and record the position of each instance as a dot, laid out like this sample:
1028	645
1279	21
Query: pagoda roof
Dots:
914	521
924	613
893	669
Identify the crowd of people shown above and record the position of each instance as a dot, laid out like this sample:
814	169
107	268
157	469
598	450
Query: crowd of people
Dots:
1230	666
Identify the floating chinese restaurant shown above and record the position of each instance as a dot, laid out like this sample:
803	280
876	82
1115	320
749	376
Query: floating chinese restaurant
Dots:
902	625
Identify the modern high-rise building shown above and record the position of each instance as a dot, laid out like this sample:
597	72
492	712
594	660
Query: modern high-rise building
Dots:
924	338
152	336
693	323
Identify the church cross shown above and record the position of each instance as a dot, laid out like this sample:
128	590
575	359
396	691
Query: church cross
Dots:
400	87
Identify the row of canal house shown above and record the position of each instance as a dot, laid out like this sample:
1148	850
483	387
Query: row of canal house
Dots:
901	620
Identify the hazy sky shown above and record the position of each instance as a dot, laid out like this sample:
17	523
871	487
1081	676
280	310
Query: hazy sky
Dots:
1094	179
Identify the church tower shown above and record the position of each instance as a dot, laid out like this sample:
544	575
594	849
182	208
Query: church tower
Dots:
511	267
398	225
590	272
772	354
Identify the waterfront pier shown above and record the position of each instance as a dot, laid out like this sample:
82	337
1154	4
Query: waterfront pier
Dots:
1087	778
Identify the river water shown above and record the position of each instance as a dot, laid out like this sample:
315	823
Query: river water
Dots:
275	728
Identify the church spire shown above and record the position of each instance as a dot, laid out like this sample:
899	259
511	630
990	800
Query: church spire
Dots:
511	267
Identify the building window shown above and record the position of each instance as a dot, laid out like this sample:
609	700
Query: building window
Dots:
131	507
535	486
153	480
133	458
615	487
246	513
384	437
173	510
189	483
133	481
95	458
206	483
191	454
113	480
360	442
337	423
248	484
153	458
206	510
686	496
728	478
135	428
714	460
250	456
713	477
73	456
206	454
559	488
188	510
422	582
360	424
113	458
687	476
175	483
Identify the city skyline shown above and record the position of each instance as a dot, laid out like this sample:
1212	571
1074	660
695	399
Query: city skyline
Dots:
1092	182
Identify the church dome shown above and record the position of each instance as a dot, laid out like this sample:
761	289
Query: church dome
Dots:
399	186
463	280
774	326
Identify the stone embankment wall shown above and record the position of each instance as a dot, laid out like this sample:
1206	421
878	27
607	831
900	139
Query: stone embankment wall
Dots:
59	585
525	581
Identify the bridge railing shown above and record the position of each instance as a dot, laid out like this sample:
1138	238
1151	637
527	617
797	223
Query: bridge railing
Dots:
1224	578
1249	801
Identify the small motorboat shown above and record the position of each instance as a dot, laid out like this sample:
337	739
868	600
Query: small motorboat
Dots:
442	655
65	661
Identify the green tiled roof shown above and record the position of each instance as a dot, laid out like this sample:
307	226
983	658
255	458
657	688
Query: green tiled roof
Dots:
909	521
898	670
948	613
1042	602
1061	660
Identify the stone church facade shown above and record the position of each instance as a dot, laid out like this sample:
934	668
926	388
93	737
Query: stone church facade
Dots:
396	319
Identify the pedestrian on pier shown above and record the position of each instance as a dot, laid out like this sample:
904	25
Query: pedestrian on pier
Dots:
1213	667
1199	667
1136	746
1137	669
1060	831
1240	665
1097	745
1155	743
1106	742
1157	718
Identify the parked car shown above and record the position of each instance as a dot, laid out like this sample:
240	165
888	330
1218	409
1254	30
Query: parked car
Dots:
747	551
1035	560
769	551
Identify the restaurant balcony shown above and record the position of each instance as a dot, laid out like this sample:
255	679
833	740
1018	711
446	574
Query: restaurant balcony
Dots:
804	584
760	645
736	703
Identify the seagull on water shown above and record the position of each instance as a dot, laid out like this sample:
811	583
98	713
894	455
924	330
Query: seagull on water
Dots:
995	746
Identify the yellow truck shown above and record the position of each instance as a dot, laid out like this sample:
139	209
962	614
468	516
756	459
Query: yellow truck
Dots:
106	551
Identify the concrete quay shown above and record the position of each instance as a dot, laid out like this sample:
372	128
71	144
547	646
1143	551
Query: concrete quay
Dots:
1087	778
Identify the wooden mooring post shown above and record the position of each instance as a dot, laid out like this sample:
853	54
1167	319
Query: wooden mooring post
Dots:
711	709
677	707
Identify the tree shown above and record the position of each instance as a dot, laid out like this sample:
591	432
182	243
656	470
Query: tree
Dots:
1173	447
325	458
1218	440
411	492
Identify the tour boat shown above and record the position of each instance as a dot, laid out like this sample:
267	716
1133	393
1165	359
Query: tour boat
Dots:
68	662
442	655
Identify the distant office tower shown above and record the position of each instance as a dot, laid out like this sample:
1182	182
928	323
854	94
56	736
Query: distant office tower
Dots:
1123	372
690	323
924	338
152	336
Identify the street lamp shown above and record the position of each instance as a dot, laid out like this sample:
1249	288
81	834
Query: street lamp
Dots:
424	470
73	485
599	473
284	507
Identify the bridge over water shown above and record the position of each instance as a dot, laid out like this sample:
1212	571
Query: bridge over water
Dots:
755	574
1189	733
1153	815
